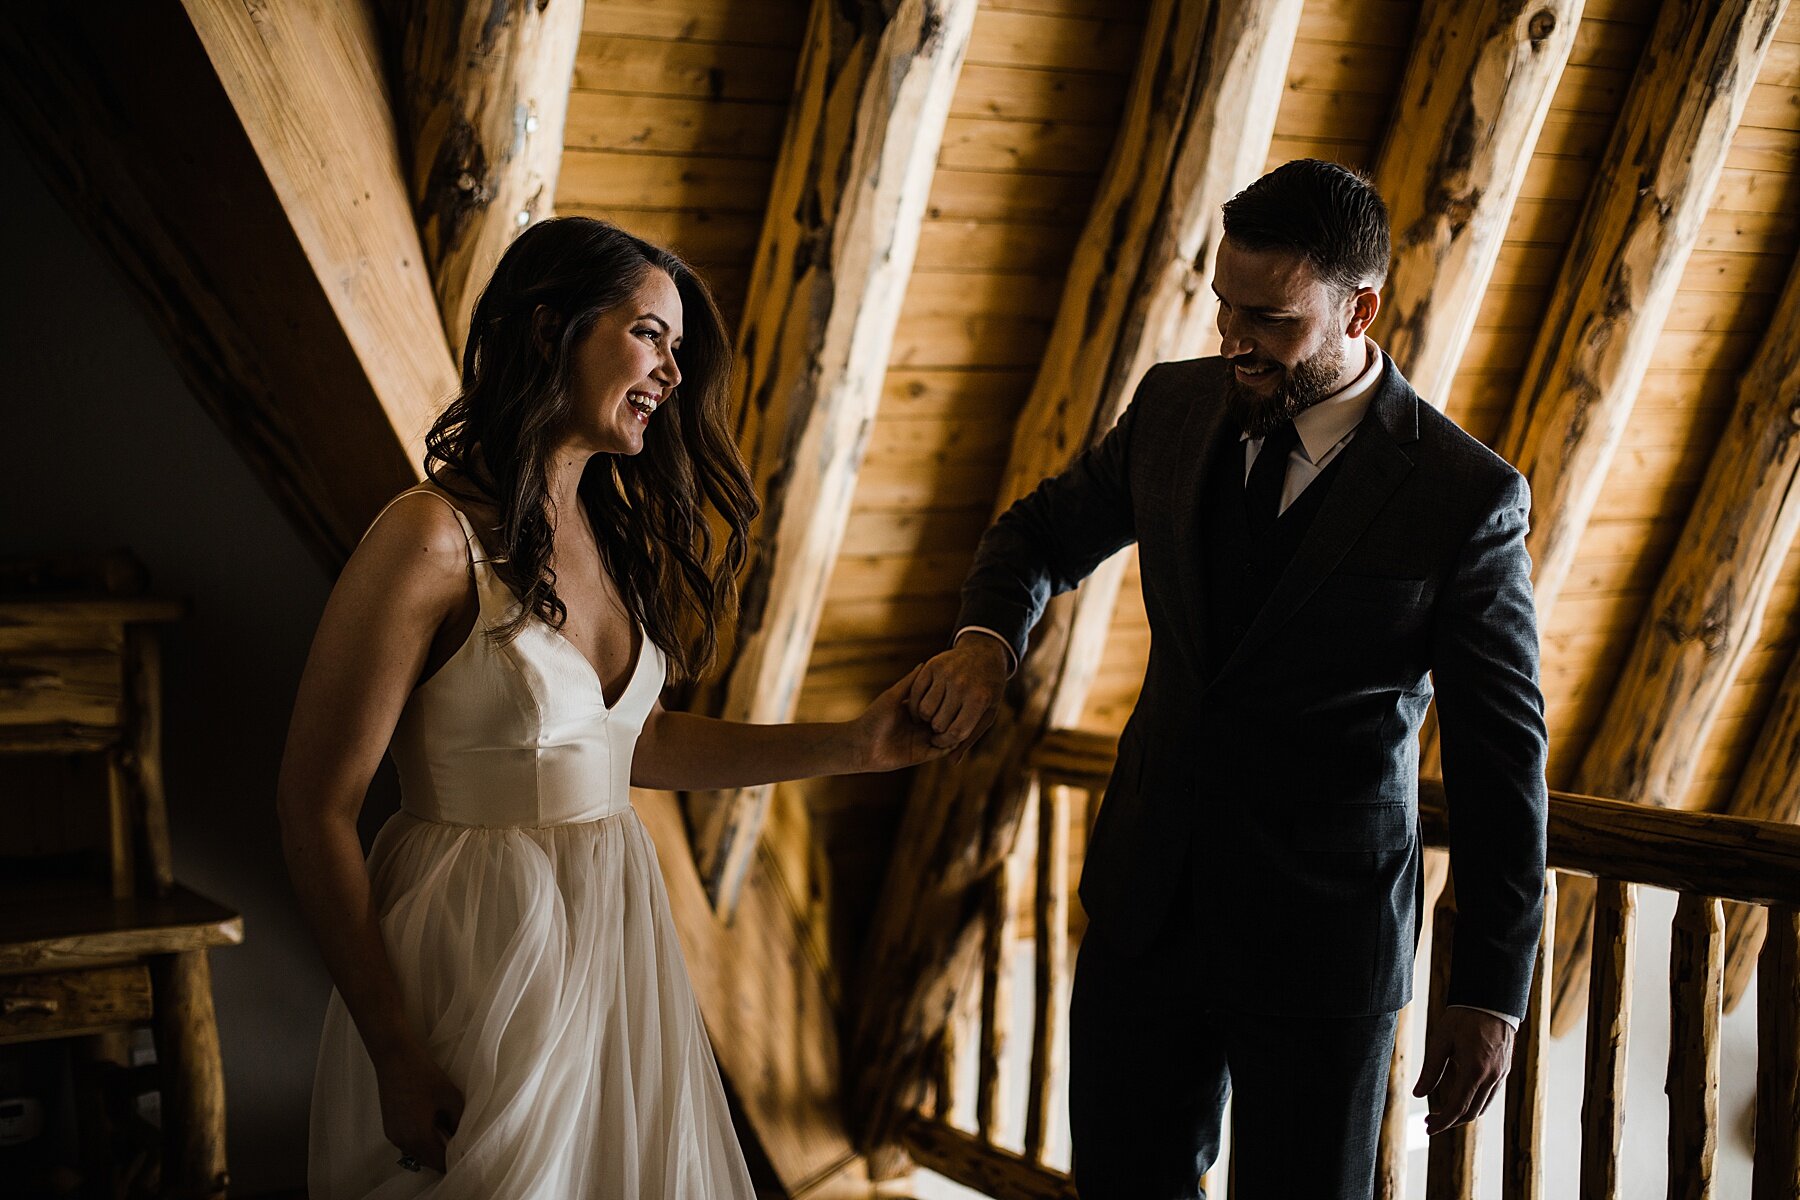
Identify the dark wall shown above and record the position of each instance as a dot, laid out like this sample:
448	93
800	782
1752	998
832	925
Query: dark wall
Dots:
104	447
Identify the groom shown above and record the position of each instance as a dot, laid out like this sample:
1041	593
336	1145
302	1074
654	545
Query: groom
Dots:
1319	550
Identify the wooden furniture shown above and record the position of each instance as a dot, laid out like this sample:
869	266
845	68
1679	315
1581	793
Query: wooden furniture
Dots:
93	939
1705	858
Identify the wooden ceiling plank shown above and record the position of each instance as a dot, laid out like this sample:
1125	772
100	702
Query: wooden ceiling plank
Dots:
483	93
252	318
1136	294
838	244
306	81
1472	103
1604	319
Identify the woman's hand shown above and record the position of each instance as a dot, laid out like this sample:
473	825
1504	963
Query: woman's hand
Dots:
420	1106
888	737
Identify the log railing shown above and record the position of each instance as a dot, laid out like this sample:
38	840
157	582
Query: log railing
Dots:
1704	858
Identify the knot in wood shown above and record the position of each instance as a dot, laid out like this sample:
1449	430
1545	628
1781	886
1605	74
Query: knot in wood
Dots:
1542	25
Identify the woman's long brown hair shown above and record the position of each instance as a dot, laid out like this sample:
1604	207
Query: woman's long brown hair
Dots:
648	509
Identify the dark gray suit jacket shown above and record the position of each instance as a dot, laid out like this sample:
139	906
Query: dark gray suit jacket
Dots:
1290	770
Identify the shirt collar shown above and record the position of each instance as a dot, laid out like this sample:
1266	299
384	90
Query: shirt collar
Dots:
1330	421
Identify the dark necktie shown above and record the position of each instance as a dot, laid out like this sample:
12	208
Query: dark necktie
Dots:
1262	491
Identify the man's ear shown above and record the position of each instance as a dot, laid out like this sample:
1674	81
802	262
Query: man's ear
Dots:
546	331
1365	302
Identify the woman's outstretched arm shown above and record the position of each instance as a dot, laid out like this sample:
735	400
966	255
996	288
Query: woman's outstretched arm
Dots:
409	577
683	752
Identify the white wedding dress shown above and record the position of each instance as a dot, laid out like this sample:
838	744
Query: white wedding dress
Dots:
526	918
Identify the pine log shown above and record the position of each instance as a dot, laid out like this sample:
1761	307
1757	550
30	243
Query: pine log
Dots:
481	90
1768	790
1050	914
98	93
1450	1162
1695	963
1609	1022
1477	88
1775	1173
1528	1083
1706	616
306	80
1655	183
999	937
838	242
193	1078
1197	128
992	1172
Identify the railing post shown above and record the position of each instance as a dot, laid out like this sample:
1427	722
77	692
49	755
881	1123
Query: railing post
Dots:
1050	912
1696	974
1777	1157
1450	1163
1609	1020
1526	1083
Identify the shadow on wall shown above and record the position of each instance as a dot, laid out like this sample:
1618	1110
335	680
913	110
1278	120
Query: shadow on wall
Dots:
106	447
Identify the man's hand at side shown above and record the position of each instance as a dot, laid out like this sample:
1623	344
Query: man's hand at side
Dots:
1466	1060
957	691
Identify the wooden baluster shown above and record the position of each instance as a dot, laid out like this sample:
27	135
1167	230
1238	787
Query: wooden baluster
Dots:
996	988
1609	1018
1696	975
1776	1172
1527	1083
1051	919
1390	1154
954	1108
1450	1165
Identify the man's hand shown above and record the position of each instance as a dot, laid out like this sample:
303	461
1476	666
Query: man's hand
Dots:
1466	1059
957	691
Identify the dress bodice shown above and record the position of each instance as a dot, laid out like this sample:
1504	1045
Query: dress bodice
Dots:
518	732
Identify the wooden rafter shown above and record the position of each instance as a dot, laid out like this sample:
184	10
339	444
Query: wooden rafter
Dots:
1197	127
1477	88
874	89
1704	620
482	90
127	121
1653	187
305	80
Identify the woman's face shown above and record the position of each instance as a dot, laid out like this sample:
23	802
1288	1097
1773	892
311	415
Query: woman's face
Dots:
624	369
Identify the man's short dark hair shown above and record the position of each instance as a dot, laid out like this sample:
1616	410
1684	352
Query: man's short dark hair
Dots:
1327	213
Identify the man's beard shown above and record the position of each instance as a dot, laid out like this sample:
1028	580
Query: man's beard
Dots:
1309	382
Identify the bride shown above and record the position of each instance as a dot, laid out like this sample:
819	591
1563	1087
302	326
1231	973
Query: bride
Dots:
512	1016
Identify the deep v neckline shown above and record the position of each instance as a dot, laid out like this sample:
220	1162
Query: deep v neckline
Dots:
639	636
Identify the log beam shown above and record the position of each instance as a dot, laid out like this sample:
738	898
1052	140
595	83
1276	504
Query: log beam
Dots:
1477	88
126	119
1766	791
1655	183
873	93
481	90
1196	129
1705	619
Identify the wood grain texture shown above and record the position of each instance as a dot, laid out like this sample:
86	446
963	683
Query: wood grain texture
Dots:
1707	614
211	250
1768	790
999	936
1696	963
69	1002
1608	1030
1450	1167
838	243
999	1174
1477	88
1776	1170
1050	910
193	1077
1135	295
482	96
1528	1083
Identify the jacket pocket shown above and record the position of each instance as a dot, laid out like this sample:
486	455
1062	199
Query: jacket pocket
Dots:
1358	827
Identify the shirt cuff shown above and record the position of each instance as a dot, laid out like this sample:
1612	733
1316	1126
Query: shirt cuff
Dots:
1011	663
1511	1021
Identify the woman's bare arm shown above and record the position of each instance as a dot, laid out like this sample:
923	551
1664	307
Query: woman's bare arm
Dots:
406	580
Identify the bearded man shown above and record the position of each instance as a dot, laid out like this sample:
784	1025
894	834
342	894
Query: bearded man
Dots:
1319	549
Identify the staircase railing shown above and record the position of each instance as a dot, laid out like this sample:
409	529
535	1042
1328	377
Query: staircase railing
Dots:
1706	859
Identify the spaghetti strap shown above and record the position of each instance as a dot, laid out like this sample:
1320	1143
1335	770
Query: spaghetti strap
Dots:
478	557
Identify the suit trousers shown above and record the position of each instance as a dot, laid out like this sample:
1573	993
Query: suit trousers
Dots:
1154	1053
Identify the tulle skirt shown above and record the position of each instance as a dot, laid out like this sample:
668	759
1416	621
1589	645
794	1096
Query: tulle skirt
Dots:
542	966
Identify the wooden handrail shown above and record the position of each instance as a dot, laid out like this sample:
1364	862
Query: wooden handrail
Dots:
1732	858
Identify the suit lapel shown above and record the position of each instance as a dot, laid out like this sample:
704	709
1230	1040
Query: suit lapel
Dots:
1206	423
1374	464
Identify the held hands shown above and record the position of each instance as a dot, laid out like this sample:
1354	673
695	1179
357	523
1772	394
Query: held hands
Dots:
957	692
1466	1060
420	1106
887	735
